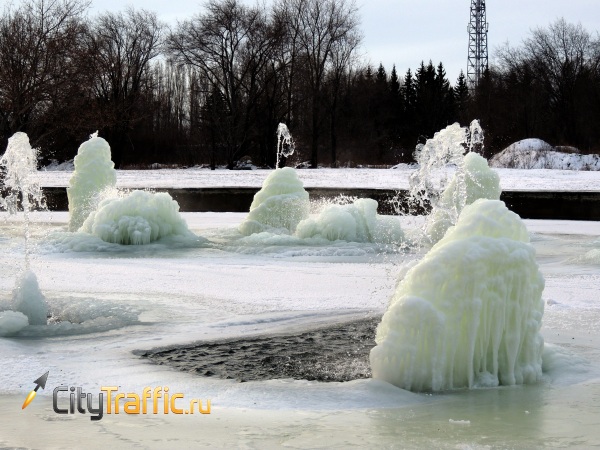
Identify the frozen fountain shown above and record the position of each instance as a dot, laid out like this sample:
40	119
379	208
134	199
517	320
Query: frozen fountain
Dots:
282	202
94	176
19	166
469	313
472	179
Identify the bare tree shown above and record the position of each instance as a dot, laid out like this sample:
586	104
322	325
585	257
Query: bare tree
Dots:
39	44
324	31
120	49
231	44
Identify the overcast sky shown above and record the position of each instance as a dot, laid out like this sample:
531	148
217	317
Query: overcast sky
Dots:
405	32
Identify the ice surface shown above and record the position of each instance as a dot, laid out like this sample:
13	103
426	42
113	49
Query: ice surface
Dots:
469	313
29	300
281	204
138	218
94	173
475	180
355	222
538	154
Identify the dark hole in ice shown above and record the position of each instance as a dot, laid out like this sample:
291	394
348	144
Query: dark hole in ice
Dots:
337	352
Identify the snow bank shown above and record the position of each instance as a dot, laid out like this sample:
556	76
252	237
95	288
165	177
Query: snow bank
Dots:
281	203
138	218
537	154
468	314
94	173
474	181
355	222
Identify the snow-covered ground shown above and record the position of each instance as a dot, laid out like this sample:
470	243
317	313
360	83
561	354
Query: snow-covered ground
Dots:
510	179
138	298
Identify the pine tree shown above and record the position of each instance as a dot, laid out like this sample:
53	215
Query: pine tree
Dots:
381	76
461	97
394	82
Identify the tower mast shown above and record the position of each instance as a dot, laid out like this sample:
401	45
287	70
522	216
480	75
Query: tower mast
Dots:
478	27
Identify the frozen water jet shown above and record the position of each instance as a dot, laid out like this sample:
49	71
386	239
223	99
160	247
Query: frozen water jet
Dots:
19	164
137	218
94	173
279	206
478	181
468	314
472	179
19	167
285	143
354	222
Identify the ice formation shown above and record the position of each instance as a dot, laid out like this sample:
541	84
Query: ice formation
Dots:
468	314
355	222
12	322
279	206
29	300
475	180
94	173
138	218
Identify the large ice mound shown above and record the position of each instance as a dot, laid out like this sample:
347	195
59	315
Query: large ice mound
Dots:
138	218
94	173
280	204
355	222
474	180
468	314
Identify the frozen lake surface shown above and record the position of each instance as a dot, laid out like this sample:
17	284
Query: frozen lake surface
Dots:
126	299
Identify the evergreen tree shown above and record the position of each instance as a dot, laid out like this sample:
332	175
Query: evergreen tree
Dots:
461	97
394	82
381	76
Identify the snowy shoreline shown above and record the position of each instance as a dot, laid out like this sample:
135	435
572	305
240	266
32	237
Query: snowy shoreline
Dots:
510	179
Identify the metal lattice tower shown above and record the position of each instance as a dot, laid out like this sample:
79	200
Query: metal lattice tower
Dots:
478	48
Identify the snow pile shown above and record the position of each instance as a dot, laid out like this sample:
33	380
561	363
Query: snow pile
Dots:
94	173
537	154
29	300
468	314
280	204
354	222
19	166
476	180
138	218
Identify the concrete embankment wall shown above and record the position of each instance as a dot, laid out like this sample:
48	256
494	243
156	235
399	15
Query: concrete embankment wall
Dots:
529	205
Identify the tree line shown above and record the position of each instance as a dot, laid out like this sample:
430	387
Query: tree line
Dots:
212	89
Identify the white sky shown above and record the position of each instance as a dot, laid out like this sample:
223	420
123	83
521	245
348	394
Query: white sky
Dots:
405	32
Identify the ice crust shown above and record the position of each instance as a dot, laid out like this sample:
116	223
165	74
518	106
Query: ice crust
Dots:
280	204
355	222
138	218
469	313
475	180
94	173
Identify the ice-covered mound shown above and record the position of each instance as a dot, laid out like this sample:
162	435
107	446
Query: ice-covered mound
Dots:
94	173
281	203
473	181
468	314
12	322
538	154
138	218
29	300
355	222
